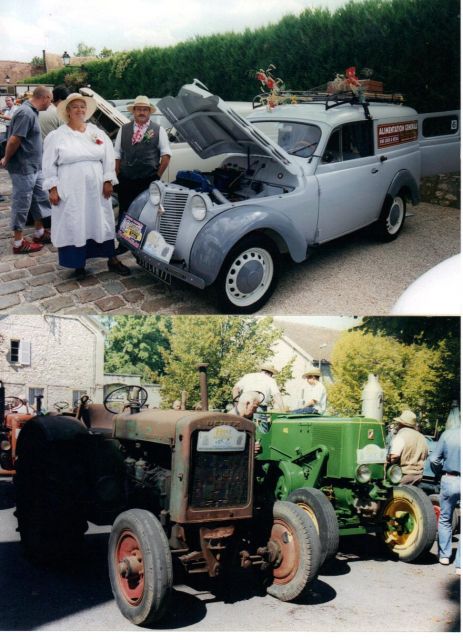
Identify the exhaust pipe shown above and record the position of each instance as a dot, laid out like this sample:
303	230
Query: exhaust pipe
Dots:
202	368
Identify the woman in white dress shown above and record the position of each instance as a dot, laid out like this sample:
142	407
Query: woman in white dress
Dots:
79	173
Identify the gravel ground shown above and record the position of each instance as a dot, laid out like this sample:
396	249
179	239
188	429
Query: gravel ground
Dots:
354	275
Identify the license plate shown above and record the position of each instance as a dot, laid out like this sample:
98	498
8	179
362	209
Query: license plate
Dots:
132	231
221	438
158	273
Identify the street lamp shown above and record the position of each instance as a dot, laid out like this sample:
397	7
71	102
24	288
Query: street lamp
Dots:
66	59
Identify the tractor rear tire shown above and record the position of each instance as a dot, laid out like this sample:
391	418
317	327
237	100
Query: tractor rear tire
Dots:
321	512
409	523
140	566
50	485
299	552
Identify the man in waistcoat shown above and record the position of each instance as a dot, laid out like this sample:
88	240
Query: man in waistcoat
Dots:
408	448
142	154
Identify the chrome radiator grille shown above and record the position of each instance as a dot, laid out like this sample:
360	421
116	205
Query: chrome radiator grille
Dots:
174	205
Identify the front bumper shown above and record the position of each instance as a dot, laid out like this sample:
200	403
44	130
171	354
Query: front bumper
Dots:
163	270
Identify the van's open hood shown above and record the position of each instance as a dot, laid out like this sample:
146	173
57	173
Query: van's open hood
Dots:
212	128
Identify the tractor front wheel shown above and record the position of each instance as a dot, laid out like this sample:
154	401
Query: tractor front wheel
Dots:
295	552
408	523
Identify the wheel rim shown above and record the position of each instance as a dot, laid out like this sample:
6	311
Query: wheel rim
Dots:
402	527
395	216
129	567
282	535
249	276
310	512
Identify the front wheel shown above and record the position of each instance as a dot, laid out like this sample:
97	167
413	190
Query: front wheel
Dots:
321	512
140	566
409	523
295	552
248	276
392	218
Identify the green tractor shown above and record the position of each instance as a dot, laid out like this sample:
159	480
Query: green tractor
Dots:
336	470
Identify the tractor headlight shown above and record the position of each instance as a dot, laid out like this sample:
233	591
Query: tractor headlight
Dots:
5	445
363	474
394	474
155	194
198	208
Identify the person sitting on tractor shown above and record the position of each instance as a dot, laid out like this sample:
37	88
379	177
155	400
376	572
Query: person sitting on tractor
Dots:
316	402
408	448
263	382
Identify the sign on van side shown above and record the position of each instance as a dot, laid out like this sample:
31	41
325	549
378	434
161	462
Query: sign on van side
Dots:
397	133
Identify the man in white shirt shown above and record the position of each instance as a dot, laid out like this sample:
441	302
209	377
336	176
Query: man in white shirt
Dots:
263	382
316	394
142	153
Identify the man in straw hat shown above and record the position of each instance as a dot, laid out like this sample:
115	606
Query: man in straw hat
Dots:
408	448
23	159
316	393
142	153
261	381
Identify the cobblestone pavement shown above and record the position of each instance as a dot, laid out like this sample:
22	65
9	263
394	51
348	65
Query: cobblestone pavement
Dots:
352	275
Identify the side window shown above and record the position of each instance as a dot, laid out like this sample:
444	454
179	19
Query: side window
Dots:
357	140
440	126
333	148
20	352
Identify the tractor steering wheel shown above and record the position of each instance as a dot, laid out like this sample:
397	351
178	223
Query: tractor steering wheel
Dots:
12	402
129	396
62	404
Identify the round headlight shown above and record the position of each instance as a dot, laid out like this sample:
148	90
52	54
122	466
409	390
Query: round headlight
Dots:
5	445
198	208
394	474
363	473
155	193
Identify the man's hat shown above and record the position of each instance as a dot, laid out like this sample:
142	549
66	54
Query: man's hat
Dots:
407	419
270	368
141	101
90	102
312	372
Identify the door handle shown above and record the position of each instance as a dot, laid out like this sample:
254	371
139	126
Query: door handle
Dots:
374	170
383	158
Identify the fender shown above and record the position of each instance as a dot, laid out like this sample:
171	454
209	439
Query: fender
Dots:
54	428
220	234
291	478
404	179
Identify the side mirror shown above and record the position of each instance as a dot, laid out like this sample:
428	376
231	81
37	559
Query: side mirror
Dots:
328	156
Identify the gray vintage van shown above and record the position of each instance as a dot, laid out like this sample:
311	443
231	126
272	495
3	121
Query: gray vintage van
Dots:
294	177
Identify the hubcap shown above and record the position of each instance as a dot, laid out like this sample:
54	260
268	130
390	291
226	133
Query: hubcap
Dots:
129	562
401	524
395	217
249	277
289	554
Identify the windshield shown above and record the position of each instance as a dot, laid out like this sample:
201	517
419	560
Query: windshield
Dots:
296	138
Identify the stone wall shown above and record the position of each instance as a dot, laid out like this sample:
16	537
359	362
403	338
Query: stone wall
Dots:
443	189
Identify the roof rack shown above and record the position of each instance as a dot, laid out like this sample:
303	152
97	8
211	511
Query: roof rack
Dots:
329	99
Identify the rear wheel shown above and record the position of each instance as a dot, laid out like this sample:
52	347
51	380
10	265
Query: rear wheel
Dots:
248	276
295	551
140	566
409	523
321	512
50	484
392	218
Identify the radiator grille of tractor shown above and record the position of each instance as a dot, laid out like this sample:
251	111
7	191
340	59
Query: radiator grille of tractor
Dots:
174	205
219	479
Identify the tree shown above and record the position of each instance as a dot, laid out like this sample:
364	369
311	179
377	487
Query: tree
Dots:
135	345
37	61
232	346
75	80
106	53
411	375
84	50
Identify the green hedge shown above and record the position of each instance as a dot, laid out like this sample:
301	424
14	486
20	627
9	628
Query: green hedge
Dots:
412	45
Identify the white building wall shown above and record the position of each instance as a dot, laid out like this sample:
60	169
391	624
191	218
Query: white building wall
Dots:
284	350
67	353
